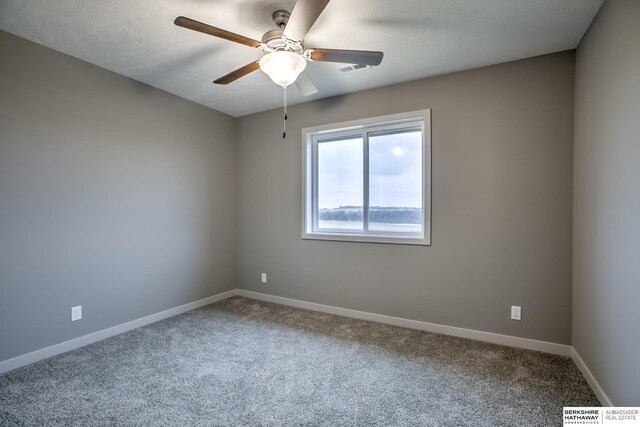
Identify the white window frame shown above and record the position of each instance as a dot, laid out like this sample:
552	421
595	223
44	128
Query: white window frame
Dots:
310	135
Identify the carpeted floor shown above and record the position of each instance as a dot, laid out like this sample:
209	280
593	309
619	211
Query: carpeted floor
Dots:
251	363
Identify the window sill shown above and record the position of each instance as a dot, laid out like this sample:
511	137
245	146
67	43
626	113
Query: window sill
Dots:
357	238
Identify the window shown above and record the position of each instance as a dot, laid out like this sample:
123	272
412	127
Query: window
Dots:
369	180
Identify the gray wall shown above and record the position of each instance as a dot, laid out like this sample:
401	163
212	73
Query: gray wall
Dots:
606	270
502	204
113	195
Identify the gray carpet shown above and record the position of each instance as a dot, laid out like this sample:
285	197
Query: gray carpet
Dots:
250	363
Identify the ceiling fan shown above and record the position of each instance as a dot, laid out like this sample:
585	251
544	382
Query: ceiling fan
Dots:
285	55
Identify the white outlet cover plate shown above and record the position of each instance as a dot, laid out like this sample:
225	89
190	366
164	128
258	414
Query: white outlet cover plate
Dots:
516	312
76	313
264	277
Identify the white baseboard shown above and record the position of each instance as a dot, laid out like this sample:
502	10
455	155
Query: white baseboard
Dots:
34	356
595	386
543	346
526	343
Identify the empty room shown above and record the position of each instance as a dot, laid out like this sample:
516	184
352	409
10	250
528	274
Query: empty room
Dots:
319	213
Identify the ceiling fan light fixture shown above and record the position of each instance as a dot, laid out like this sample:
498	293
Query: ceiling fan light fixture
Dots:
282	66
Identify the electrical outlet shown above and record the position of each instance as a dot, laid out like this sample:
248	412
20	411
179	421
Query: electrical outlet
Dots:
76	313
516	312
264	277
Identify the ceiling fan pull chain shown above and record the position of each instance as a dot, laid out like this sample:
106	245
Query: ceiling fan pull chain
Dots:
284	122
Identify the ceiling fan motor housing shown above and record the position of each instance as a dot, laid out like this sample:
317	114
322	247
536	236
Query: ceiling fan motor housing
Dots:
273	40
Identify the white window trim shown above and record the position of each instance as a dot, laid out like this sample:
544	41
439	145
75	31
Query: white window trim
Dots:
353	126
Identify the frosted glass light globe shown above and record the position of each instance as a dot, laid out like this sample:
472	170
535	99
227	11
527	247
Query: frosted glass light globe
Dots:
283	66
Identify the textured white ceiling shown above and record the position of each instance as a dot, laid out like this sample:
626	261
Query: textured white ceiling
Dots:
420	38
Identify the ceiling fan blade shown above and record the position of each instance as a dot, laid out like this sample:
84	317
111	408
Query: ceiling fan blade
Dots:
305	85
363	57
236	74
192	24
303	16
